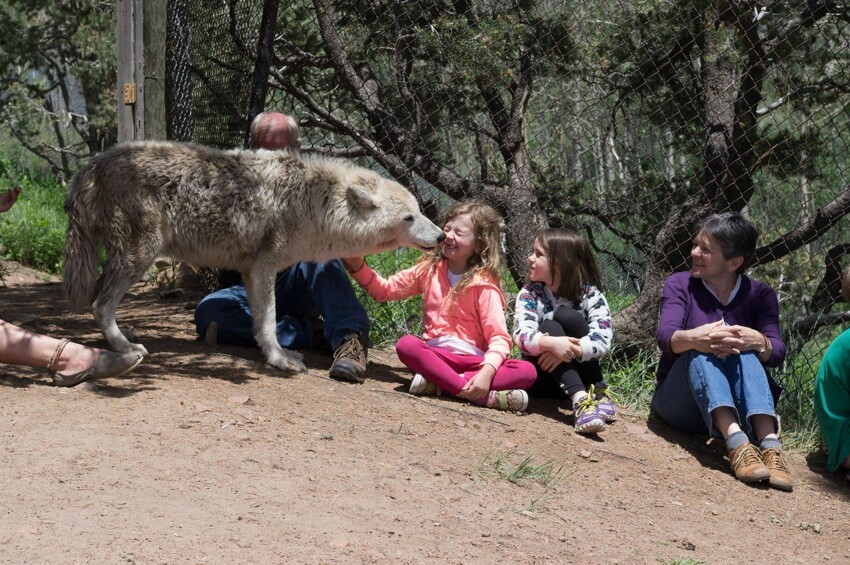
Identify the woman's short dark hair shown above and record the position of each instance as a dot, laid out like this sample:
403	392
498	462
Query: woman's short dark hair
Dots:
736	235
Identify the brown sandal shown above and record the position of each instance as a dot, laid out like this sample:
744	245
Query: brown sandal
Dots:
108	365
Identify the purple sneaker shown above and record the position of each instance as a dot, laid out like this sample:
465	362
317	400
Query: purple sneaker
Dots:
588	420
605	405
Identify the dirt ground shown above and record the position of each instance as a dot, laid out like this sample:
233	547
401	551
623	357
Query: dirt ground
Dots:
205	455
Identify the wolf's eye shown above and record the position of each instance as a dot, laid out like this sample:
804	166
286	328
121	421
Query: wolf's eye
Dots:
408	218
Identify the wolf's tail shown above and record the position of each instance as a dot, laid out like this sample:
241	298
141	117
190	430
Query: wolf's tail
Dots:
81	242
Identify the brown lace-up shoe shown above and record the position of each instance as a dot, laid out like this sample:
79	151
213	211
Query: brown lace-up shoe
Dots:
350	359
780	478
747	464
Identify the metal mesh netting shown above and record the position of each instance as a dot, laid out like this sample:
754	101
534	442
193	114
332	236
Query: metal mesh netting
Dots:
626	120
211	51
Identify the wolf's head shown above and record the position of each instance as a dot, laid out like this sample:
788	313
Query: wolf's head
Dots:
389	205
374	213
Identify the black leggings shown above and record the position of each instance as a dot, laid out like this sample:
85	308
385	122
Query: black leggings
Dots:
567	378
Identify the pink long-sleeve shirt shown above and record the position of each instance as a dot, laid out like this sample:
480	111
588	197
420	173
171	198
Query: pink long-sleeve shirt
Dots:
475	316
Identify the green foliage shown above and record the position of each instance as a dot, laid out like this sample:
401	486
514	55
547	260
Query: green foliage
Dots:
479	54
57	71
33	231
391	320
632	379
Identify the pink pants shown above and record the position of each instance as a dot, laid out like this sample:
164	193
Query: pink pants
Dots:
451	371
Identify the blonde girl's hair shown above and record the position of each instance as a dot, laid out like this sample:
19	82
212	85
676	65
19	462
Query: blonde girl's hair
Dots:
570	257
487	259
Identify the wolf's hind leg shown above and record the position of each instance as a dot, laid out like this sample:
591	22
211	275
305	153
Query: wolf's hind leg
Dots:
118	276
259	284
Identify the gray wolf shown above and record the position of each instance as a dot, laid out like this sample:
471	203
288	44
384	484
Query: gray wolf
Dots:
256	212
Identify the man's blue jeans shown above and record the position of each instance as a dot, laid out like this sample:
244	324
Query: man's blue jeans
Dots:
699	383
302	292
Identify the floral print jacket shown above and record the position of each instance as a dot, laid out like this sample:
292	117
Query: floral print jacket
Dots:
535	303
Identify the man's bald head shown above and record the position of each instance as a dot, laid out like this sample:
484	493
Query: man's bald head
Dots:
274	130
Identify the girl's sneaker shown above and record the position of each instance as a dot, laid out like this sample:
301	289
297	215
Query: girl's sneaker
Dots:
605	404
420	386
588	420
512	400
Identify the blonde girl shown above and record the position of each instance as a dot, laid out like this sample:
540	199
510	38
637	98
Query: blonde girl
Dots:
465	344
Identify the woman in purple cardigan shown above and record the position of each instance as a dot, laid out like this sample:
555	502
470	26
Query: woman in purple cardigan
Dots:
718	331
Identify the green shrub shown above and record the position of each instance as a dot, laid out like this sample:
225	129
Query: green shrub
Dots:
33	231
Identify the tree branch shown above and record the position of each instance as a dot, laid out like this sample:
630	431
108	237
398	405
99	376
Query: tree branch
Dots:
807	326
820	223
812	11
828	291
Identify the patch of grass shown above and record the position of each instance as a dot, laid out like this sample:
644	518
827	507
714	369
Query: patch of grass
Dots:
521	470
632	380
33	231
391	320
547	474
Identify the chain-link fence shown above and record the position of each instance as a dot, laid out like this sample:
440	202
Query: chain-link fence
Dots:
627	120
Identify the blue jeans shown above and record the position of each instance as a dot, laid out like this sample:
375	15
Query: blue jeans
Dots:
699	383
302	292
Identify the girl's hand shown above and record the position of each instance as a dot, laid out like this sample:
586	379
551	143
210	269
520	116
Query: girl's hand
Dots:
8	198
478	386
353	264
566	348
547	361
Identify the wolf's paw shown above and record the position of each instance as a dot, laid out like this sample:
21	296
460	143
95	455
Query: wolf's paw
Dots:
287	360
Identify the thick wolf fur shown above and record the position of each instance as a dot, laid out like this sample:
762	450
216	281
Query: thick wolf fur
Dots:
257	212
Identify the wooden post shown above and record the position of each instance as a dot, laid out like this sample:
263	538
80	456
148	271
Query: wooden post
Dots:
141	69
126	88
154	15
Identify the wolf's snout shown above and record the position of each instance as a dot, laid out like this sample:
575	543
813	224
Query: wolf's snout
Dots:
441	237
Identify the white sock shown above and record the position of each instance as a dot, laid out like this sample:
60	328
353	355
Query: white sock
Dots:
579	396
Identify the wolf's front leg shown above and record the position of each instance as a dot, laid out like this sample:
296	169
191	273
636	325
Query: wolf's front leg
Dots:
259	284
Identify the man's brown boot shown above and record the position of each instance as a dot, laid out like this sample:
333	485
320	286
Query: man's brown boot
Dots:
747	464
774	460
350	359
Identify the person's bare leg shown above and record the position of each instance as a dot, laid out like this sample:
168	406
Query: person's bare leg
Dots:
764	426
725	420
23	347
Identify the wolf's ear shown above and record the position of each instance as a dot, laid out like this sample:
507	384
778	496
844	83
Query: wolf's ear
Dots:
360	197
